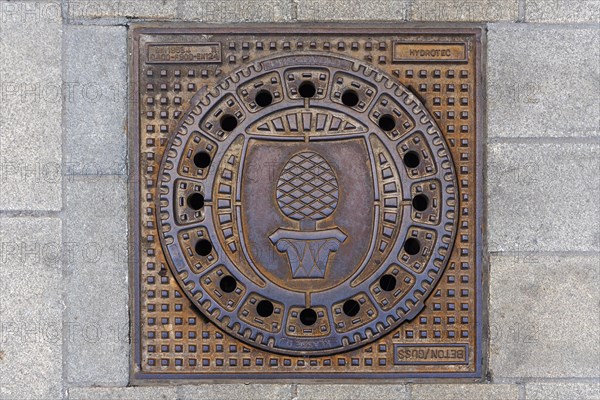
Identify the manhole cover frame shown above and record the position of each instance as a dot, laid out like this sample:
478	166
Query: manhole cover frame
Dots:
137	30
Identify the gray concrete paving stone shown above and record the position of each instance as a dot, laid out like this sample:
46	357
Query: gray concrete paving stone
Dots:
117	10
463	10
351	392
348	10
562	11
96	100
97	291
236	11
544	316
543	81
562	391
464	392
30	106
543	197
122	393
253	391
30	308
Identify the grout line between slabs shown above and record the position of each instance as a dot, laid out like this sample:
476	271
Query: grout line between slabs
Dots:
294	10
522	395
544	140
543	25
64	265
178	10
575	253
1	135
521	10
29	214
537	380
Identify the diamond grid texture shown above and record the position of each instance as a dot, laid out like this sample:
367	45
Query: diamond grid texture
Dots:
307	188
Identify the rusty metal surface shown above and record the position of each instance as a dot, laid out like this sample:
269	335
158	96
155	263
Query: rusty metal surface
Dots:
308	206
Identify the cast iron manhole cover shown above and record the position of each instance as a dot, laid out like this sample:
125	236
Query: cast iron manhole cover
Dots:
308	205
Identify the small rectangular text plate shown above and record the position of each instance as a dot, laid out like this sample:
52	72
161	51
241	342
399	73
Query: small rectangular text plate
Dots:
429	52
430	354
177	53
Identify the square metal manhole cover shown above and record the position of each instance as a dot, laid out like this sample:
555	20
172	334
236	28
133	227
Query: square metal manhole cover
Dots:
308	202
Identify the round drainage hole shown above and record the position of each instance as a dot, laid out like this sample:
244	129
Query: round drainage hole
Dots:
387	282
351	308
202	159
203	247
195	201
307	89
420	202
228	284
264	308
263	98
387	122
350	98
412	246
411	159
228	123
308	316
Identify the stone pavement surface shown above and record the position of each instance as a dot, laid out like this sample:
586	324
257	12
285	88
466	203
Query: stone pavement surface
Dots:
63	220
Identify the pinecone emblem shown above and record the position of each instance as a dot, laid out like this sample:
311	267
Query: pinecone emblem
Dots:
307	188
307	191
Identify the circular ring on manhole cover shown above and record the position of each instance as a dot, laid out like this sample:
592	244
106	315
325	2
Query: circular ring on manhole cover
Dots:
308	204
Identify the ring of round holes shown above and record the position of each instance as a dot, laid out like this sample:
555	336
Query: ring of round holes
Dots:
311	126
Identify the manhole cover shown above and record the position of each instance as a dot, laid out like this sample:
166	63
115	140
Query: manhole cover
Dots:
308	205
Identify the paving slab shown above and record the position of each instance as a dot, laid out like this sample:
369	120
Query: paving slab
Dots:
544	317
464	10
30	106
30	308
352	392
562	391
95	99
236	11
543	197
96	315
543	81
464	392
348	10
562	11
118	393
118	10
235	391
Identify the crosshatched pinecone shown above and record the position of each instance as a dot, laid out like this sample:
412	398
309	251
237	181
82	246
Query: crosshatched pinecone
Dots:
307	187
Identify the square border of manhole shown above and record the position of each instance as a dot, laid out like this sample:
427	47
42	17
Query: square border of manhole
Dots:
140	377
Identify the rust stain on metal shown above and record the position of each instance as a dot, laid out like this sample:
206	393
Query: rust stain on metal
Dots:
307	205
